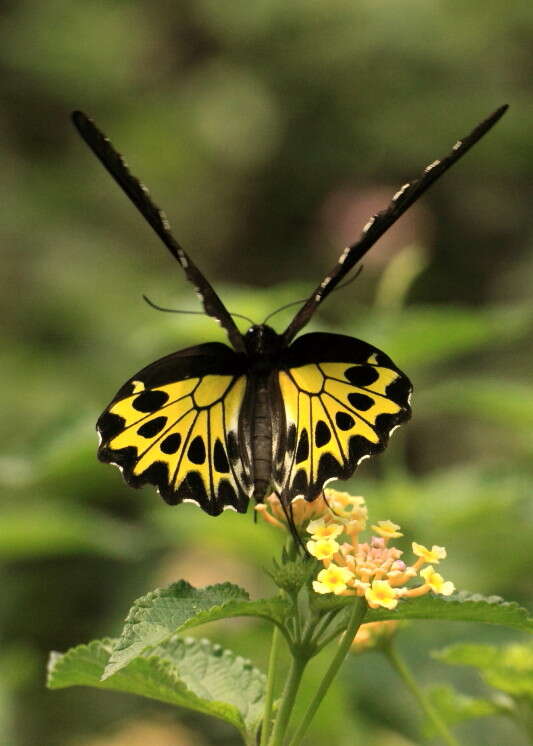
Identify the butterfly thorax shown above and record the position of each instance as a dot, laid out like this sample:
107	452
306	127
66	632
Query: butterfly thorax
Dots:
263	346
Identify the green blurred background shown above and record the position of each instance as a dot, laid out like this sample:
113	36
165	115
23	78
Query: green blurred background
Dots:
270	131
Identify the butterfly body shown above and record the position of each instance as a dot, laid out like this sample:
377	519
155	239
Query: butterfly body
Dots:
219	425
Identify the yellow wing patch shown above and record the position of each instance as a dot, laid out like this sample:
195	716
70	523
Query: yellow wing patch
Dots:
182	437
336	414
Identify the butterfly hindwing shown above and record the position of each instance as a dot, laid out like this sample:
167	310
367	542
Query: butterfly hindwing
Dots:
176	425
341	399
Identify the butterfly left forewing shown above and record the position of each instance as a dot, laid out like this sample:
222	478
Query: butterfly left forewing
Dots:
341	400
175	425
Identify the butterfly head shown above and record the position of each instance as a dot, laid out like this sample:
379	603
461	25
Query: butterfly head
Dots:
262	342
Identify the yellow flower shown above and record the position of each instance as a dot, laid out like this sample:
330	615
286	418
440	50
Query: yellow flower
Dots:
347	506
381	593
321	530
333	580
435	554
436	582
323	548
387	529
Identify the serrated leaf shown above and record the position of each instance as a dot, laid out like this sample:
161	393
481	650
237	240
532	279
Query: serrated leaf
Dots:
508	668
162	613
461	607
184	671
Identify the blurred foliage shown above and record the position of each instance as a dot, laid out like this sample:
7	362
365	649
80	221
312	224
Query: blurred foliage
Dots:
270	132
508	669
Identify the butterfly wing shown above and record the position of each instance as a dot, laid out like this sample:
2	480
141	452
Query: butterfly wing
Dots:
176	425
378	224
339	400
139	195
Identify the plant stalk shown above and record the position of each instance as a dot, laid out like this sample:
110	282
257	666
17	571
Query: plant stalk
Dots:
281	724
410	682
271	681
356	617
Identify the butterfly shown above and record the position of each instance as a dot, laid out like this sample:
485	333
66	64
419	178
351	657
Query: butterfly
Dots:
217	425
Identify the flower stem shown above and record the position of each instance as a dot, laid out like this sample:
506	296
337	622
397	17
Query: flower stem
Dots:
356	617
271	680
281	724
407	677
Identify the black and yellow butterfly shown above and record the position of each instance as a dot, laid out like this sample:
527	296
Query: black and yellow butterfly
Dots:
217	426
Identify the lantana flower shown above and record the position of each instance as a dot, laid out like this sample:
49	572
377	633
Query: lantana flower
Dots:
436	582
374	568
333	580
303	511
323	549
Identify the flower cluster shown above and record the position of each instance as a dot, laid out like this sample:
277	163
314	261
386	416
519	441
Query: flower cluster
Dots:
302	511
373	568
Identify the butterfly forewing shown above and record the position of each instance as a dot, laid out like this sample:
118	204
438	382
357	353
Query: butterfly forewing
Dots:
175	425
341	399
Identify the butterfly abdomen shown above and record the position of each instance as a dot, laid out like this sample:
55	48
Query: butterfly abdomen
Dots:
261	439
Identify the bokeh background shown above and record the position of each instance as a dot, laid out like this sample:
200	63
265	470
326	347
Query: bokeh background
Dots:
270	132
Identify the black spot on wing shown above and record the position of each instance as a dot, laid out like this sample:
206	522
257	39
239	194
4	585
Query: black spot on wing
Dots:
150	401
299	483
196	451
302	453
291	438
344	421
322	434
171	443
362	402
362	375
233	448
151	428
220	460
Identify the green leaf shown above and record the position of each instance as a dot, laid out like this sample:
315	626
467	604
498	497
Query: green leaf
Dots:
461	607
454	707
508	668
184	671
161	613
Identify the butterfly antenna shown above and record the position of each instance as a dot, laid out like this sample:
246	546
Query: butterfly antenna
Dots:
287	509
177	310
302	300
283	308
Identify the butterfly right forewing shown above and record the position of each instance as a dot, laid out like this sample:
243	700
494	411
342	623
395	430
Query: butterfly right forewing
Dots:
341	400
